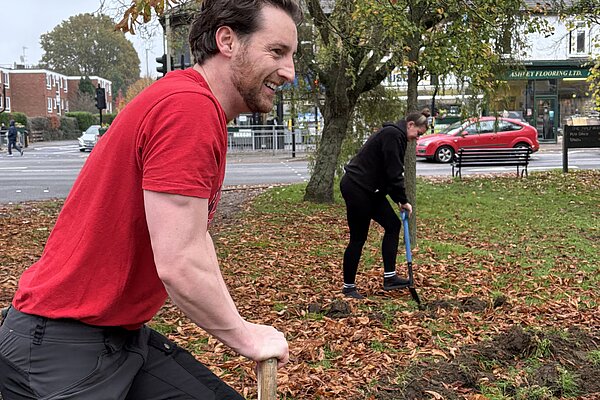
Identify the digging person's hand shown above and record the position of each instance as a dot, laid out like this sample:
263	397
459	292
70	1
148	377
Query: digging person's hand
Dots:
268	343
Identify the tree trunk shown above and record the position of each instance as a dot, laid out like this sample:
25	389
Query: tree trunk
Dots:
410	158
320	185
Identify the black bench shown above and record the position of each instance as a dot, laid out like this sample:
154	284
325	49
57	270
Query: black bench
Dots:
497	157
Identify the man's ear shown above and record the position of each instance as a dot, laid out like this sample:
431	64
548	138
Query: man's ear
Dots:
225	38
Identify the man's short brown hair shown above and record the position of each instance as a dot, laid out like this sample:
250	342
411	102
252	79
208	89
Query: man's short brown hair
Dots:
243	16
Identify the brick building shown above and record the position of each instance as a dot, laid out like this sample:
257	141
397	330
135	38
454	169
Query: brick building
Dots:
5	90
40	92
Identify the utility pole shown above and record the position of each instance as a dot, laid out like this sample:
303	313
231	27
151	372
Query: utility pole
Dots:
168	38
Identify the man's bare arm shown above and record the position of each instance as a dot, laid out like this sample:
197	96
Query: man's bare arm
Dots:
187	264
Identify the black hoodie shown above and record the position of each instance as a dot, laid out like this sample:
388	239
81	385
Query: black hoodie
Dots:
379	164
12	130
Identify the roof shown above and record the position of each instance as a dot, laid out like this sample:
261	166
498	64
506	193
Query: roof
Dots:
547	5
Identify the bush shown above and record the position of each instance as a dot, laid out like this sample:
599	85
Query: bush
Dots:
108	118
39	124
49	127
69	126
19	118
84	119
54	122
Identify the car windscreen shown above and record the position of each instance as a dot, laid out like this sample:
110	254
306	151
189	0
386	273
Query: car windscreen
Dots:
453	128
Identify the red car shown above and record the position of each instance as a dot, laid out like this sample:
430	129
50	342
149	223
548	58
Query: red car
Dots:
484	132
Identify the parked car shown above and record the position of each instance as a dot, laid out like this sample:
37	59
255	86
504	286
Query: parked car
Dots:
88	139
484	132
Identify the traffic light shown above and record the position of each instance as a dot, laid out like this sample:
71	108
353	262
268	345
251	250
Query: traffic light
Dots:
182	64
162	68
100	98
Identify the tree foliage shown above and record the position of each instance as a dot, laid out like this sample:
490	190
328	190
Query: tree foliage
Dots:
136	88
589	11
88	45
86	86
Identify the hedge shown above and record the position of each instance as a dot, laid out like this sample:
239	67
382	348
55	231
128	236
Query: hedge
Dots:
54	127
84	119
19	118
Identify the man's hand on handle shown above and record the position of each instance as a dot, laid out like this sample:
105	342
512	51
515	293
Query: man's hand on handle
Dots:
269	343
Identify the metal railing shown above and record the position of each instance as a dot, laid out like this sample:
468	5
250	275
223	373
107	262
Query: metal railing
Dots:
274	139
22	138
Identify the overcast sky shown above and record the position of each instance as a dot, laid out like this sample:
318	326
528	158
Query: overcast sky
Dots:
24	21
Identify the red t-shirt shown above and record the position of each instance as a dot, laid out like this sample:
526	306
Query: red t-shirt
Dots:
98	265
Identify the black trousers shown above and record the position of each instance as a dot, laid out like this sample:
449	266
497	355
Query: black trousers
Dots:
12	143
41	358
363	206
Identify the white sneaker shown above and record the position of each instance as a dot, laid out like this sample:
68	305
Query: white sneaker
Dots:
10	155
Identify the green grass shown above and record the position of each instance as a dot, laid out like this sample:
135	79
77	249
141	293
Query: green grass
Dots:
162	327
543	227
594	357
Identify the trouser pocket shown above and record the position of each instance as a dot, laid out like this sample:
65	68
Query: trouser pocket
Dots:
97	371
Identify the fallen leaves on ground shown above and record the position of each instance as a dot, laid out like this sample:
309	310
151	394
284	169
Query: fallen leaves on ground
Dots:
285	270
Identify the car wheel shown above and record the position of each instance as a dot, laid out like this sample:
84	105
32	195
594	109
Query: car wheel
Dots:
522	145
82	150
444	154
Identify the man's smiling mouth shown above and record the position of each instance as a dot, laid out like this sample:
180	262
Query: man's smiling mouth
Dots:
272	86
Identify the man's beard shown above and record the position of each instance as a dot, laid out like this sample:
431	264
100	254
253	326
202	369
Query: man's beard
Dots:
245	80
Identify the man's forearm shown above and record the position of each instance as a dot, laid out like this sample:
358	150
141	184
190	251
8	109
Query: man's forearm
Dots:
195	284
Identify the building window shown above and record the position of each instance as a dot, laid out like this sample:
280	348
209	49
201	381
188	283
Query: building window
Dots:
5	79
50	105
65	85
48	82
7	104
578	39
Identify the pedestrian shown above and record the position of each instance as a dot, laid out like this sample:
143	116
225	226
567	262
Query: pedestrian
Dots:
134	230
12	138
377	171
3	131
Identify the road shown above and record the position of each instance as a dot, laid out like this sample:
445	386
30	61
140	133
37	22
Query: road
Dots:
48	170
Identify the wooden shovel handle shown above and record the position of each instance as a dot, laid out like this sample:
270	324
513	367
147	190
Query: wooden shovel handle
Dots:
267	379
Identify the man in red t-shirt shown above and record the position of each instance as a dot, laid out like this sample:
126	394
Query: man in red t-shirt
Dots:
133	230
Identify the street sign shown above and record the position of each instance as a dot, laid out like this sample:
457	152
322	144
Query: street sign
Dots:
585	136
579	137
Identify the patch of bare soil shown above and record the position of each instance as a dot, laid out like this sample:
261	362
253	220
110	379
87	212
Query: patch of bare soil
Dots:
235	199
517	364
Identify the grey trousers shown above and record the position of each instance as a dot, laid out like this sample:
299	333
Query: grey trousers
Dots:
41	358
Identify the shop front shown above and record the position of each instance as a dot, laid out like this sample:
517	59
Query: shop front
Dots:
548	95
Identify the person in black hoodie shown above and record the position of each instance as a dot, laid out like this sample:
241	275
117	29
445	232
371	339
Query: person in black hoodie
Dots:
12	138
375	172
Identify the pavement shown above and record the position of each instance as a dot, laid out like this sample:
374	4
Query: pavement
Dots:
232	156
262	156
552	147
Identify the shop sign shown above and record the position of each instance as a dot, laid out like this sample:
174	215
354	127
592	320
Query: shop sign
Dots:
548	74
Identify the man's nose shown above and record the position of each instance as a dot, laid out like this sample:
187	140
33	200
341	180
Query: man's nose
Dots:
287	70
